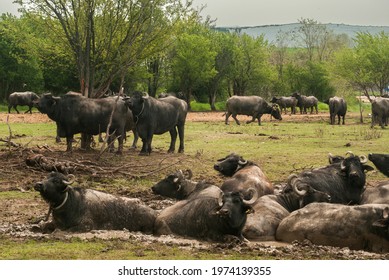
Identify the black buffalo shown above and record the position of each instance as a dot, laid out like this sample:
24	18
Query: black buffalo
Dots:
209	214
77	114
343	180
286	102
338	107
23	99
358	227
253	106
245	175
79	210
178	185
381	161
380	111
157	116
269	210
306	102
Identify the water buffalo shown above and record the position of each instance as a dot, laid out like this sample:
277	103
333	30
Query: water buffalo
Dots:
245	175
26	98
79	210
209	214
343	180
306	102
286	102
359	227
254	106
381	161
179	185
269	210
378	194
338	107
77	114
157	116
380	111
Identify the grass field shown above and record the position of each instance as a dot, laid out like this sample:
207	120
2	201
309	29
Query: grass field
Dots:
279	147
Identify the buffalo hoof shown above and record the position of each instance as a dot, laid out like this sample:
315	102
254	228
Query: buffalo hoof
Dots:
144	153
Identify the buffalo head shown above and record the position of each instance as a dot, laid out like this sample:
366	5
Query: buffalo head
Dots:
230	164
173	185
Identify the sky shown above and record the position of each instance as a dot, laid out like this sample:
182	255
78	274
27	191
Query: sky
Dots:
266	12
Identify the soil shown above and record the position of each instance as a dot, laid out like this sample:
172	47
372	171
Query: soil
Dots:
18	215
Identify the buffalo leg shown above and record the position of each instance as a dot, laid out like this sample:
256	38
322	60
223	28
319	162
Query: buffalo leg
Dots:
9	109
236	120
228	114
173	136
181	135
16	108
136	137
29	110
69	141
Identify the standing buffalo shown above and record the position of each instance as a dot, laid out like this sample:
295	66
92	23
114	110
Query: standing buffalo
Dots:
306	102
23	99
157	116
358	227
381	161
77	114
209	214
343	180
78	209
286	102
254	106
338	107
380	111
269	210
245	175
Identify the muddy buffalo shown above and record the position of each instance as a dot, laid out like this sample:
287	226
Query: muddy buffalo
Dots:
79	210
26	98
378	194
306	102
380	111
253	106
358	227
210	214
286	102
338	107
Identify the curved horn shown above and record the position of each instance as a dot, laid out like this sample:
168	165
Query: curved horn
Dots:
350	153
242	162
146	96
330	157
300	190
220	199
363	159
253	198
70	180
342	166
188	174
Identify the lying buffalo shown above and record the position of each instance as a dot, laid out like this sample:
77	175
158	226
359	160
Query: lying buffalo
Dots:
178	185
358	227
245	175
26	98
77	114
80	210
253	106
157	116
343	180
381	161
269	210
378	194
209	214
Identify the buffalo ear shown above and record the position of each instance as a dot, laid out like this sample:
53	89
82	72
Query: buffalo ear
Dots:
249	210
367	168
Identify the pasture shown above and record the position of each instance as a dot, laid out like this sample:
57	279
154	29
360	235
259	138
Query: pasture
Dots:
280	148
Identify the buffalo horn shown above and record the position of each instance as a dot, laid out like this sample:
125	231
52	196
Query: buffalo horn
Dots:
350	153
242	162
146	96
70	180
253	198
363	159
220	199
188	174
300	190
330	157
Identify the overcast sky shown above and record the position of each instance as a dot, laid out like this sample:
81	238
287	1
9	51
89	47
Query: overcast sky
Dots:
263	12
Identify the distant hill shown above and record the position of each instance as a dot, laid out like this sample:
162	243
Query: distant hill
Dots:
270	31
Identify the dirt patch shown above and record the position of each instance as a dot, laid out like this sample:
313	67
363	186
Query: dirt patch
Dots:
24	208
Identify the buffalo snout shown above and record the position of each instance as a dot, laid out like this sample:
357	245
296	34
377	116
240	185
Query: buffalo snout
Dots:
38	187
217	167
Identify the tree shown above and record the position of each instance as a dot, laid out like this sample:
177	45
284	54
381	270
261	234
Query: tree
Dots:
107	37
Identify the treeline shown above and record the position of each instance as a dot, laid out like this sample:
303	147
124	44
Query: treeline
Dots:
98	47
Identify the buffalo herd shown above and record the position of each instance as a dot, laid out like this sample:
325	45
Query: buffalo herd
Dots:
329	205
